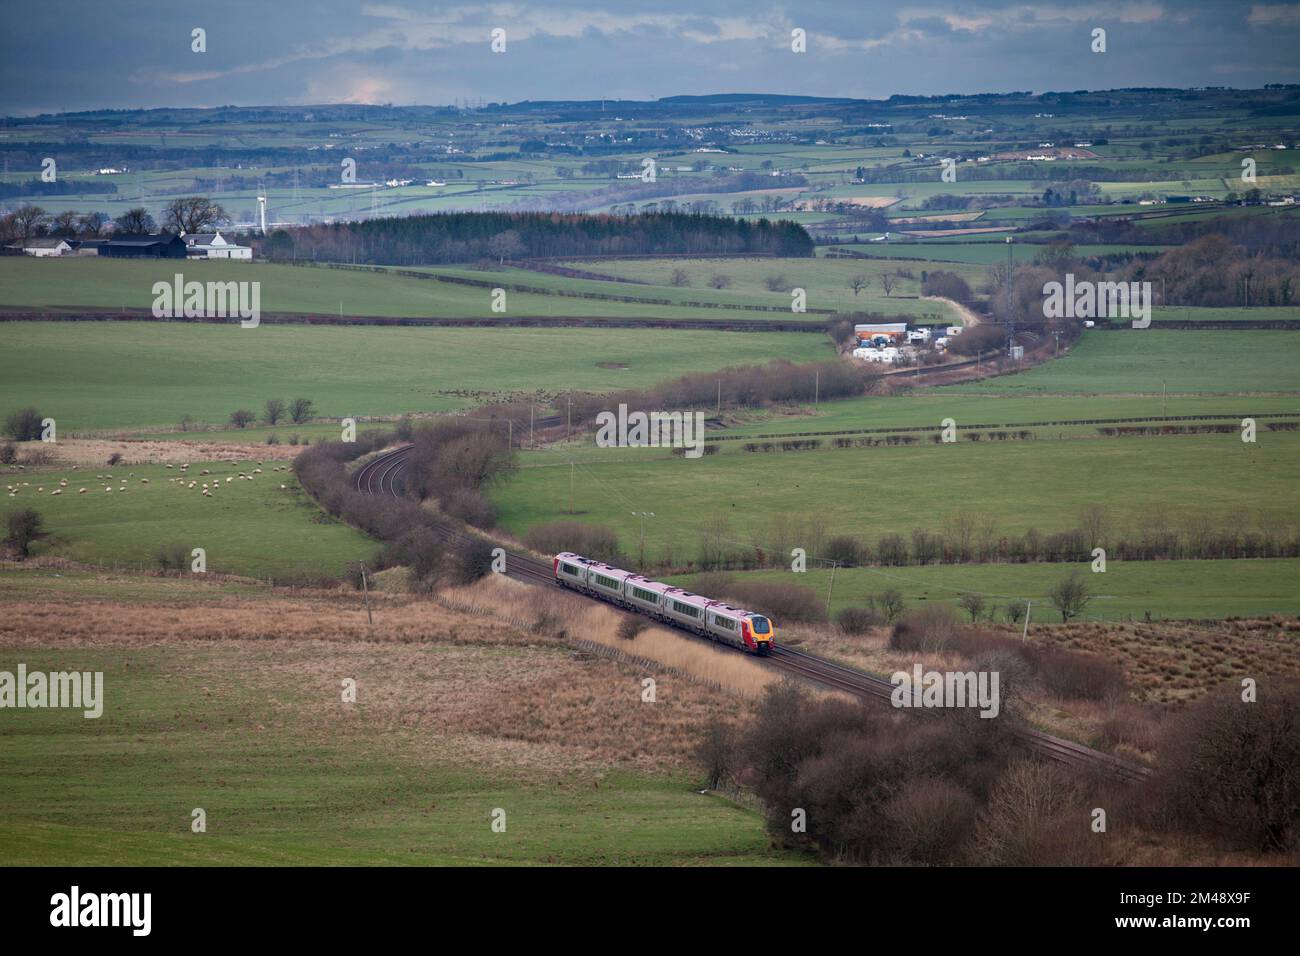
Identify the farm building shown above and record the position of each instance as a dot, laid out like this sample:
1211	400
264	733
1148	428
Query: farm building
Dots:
162	246
213	245
43	247
891	331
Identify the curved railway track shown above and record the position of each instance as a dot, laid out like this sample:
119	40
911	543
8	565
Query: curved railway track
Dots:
384	475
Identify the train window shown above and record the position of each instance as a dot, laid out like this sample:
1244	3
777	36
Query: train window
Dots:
724	622
760	625
569	570
605	582
645	595
686	609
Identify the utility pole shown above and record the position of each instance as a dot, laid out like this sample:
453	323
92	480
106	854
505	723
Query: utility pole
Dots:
1164	399
571	468
817	386
1011	313
510	433
1029	606
830	589
719	398
531	410
568	429
365	590
642	515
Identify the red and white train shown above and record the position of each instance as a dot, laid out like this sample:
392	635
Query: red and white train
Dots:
709	618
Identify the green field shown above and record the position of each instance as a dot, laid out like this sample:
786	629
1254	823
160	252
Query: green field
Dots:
1147	360
114	375
110	285
1128	589
870	492
119	790
825	280
249	527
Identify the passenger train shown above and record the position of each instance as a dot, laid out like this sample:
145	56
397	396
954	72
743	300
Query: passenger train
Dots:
743	629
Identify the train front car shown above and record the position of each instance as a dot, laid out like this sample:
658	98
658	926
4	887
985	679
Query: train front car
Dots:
758	632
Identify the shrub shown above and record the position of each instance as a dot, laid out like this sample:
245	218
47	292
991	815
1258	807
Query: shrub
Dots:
115	458
275	410
589	540
926	629
972	604
1231	769
272	439
857	620
472	560
8	453
242	418
1070	596
890	602
630	627
172	557
470	506
712	583
1071	674
846	551
301	410
782	602
25	526
24	425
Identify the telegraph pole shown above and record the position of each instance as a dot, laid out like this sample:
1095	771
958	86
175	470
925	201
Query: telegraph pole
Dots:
830	589
1011	314
571	468
642	515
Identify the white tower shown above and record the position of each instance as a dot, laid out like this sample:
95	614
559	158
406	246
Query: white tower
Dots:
261	210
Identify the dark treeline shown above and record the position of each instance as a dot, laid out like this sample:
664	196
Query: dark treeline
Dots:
413	536
750	385
471	236
454	461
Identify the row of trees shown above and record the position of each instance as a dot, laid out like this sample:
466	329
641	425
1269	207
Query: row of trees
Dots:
469	237
186	214
276	410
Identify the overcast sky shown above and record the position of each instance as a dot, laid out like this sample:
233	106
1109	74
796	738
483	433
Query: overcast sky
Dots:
86	54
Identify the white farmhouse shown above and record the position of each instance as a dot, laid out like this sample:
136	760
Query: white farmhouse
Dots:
213	245
42	247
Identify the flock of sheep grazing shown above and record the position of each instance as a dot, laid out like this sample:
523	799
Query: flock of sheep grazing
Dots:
183	481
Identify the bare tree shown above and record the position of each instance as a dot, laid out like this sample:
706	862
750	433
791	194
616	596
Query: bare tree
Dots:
301	409
274	410
92	223
134	222
972	604
64	224
242	417
857	283
1070	596
28	220
887	283
193	214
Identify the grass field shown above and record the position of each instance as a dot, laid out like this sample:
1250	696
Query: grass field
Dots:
1140	360
870	492
249	527
825	280
1127	589
115	375
27	283
253	732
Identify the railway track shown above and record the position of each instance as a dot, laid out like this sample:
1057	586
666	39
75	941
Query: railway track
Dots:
384	475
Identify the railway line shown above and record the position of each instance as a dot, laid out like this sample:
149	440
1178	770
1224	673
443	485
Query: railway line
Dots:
385	476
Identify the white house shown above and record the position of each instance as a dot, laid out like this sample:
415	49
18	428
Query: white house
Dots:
213	245
42	247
